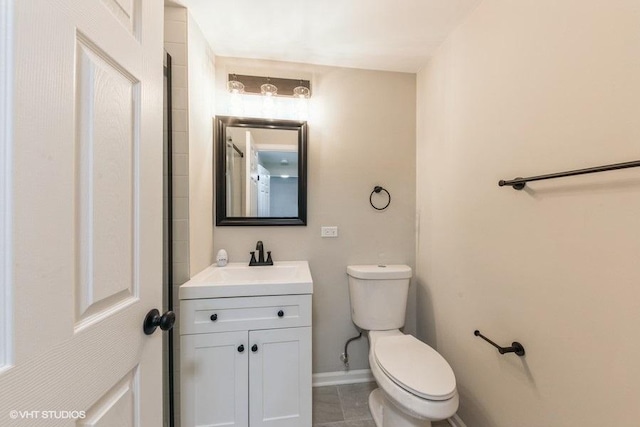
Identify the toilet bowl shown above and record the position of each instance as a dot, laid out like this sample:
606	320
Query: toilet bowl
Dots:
416	384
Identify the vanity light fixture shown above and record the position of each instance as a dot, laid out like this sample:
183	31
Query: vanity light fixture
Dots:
276	97
269	86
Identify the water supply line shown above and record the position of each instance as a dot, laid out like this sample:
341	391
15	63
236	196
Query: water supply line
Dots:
344	357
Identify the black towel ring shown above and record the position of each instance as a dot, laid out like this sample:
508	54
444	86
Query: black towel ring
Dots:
378	189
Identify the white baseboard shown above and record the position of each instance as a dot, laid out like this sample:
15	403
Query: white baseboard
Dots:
456	421
343	377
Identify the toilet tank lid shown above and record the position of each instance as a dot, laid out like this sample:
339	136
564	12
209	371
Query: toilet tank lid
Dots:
382	272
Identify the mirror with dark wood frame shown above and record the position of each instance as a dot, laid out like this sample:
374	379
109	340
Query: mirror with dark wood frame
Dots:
261	171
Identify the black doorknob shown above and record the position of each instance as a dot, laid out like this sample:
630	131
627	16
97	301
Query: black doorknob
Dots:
254	348
214	317
281	313
240	348
153	319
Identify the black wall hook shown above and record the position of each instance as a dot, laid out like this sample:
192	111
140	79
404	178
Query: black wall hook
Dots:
516	347
378	189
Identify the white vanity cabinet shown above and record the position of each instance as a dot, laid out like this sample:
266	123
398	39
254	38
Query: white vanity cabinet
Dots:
246	362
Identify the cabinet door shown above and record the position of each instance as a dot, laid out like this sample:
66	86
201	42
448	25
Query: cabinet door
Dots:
214	370
280	378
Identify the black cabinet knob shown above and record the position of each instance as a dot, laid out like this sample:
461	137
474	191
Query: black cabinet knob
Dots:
254	348
214	317
240	348
281	313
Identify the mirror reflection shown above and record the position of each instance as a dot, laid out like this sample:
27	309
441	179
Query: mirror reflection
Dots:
260	171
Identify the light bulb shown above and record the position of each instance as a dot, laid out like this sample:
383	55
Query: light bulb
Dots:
235	87
301	92
268	89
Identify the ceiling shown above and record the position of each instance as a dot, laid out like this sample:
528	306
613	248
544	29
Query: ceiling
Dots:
391	35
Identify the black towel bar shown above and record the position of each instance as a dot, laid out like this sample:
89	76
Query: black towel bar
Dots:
516	347
519	183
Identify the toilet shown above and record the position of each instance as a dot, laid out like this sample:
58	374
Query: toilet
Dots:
416	384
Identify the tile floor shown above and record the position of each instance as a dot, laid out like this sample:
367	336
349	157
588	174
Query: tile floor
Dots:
346	406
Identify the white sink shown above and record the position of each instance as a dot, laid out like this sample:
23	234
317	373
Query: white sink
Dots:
237	279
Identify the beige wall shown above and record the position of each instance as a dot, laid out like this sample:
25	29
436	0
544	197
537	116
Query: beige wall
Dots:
524	88
361	134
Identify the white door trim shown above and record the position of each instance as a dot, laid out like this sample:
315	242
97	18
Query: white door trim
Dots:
6	306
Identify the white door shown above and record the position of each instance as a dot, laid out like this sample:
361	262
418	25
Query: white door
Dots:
264	186
83	253
280	378
251	178
214	375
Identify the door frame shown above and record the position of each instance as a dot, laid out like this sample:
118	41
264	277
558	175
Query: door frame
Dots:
169	242
6	98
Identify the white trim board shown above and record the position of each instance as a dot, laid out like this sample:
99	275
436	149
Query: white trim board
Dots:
6	97
342	377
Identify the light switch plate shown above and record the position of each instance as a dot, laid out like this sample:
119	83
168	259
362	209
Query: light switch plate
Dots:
329	231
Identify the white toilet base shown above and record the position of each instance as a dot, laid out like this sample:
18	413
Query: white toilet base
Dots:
385	413
401	401
376	406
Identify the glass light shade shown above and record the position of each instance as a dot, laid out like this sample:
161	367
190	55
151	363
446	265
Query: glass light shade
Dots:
268	89
234	86
301	92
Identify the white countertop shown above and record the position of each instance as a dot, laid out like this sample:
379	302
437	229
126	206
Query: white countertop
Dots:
237	279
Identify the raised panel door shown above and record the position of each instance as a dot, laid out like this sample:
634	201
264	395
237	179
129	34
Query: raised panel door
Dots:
280	378
214	375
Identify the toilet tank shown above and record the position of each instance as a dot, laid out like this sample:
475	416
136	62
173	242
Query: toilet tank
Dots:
378	295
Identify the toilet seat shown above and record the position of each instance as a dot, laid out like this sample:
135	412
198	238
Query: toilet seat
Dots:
415	366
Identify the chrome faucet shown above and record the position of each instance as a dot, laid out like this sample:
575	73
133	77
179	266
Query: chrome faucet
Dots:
260	261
